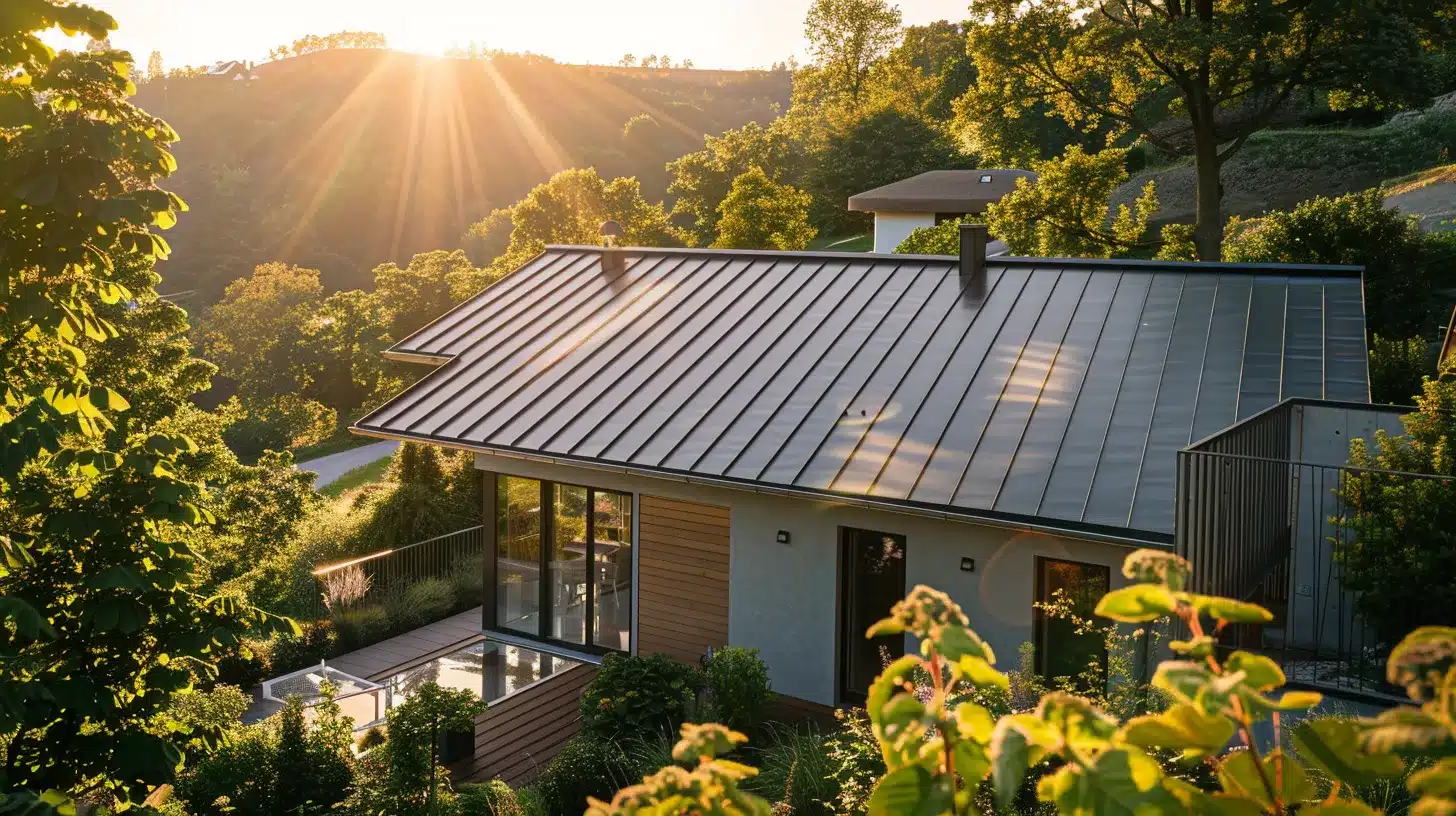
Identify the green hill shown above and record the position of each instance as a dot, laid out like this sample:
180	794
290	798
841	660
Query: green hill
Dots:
341	160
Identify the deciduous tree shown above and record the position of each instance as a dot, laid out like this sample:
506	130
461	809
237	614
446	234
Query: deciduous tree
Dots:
701	180
1195	77
847	37
1064	212
759	213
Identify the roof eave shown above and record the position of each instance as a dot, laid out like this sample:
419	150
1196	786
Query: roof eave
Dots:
1127	537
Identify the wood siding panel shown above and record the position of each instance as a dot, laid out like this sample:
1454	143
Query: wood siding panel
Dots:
517	736
682	578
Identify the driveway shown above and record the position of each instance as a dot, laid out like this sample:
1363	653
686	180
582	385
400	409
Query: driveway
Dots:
334	465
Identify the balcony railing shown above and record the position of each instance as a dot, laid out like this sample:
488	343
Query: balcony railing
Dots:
1266	512
369	578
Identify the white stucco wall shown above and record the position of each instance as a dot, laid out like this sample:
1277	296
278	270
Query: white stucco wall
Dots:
782	597
892	228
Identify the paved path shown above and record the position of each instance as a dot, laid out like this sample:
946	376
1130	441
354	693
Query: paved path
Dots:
331	467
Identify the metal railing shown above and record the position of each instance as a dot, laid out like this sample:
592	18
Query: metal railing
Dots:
370	577
1261	525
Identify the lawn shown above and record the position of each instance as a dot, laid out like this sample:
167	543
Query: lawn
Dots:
358	477
844	243
341	441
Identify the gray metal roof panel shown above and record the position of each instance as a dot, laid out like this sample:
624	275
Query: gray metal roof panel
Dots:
1057	391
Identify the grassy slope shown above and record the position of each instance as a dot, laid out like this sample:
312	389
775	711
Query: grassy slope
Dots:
358	477
1280	168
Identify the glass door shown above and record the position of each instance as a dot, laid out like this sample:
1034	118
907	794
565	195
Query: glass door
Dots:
872	579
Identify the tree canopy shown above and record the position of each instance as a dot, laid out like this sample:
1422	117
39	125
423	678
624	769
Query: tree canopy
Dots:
759	213
1064	211
1194	77
847	37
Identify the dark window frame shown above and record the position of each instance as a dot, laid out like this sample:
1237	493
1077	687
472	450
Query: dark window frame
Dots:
1039	618
546	512
845	639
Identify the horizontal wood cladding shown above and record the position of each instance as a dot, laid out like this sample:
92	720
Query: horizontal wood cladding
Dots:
518	735
682	577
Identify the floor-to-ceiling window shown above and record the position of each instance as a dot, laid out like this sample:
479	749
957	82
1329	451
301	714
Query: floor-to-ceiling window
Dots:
580	540
1063	649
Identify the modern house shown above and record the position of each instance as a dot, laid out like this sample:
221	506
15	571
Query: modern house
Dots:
687	448
932	198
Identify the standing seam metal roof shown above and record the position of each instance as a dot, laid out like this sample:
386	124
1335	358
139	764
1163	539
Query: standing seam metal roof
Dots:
1059	391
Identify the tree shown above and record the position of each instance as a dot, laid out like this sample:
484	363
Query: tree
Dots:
1195	77
1400	532
926	72
105	608
486	239
627	60
846	37
433	282
257	332
942	239
570	209
1064	212
869	151
759	213
1397	368
649	61
701	180
155	69
1401	263
347	339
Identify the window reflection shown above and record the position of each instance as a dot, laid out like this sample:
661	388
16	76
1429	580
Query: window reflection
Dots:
568	564
612	578
518	554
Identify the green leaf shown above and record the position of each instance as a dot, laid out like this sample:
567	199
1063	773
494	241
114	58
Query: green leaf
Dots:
1239	775
971	762
911	791
117	576
980	673
1229	610
1181	728
1260	672
1011	756
885	626
27	621
1332	744
1408	732
1123	780
1139	603
1343	807
955	642
974	722
1197	648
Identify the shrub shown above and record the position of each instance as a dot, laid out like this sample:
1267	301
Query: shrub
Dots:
215	710
1397	368
467	579
312	767
942	239
736	680
797	770
493	798
361	626
373	738
290	653
404	774
424	601
586	766
248	665
230	773
855	763
637	696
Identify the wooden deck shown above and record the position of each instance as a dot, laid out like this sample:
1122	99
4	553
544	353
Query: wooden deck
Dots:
520	733
387	657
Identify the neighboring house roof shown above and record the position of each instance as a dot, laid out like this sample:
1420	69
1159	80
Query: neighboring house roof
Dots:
1056	393
941	191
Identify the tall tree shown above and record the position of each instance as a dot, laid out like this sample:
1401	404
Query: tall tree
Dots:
701	179
1064	212
103	610
427	288
1196	77
847	37
155	69
759	213
257	332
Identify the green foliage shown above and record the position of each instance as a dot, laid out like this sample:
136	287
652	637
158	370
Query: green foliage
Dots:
257	334
637	695
570	209
585	767
493	798
736	680
941	749
1401	263
106	605
284	767
759	213
711	788
701	180
847	37
404	775
1397	368
423	601
362	626
942	239
797	770
1193	82
1065	212
855	761
870	150
433	282
1400	532
205	712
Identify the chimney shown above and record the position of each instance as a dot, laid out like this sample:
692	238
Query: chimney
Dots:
973	251
612	260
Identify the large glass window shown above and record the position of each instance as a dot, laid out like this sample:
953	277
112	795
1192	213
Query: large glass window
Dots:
518	554
1062	650
580	539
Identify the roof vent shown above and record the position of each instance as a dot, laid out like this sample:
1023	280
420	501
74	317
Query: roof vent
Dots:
612	260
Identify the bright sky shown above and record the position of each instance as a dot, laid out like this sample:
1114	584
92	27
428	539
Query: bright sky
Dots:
712	33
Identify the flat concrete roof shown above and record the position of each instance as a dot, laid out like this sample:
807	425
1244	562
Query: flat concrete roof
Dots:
941	191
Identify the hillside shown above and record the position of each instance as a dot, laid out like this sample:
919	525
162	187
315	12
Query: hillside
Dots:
345	159
1277	169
